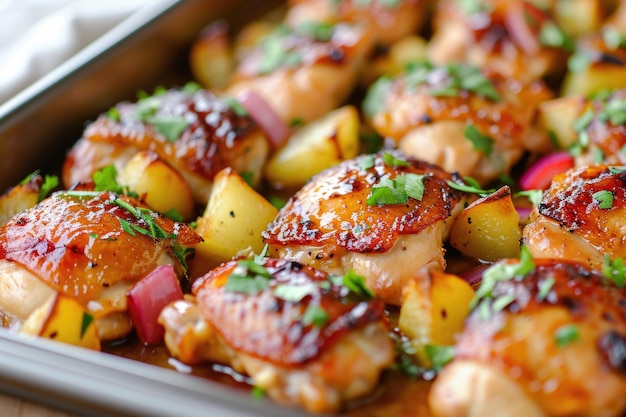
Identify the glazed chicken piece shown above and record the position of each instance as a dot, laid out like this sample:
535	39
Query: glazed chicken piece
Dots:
475	123
546	340
507	36
384	216
194	131
388	21
300	334
581	217
90	246
305	71
601	130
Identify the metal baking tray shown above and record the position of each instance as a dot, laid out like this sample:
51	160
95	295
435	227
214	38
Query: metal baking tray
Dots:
37	127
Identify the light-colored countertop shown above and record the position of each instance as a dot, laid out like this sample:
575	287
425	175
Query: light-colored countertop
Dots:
13	407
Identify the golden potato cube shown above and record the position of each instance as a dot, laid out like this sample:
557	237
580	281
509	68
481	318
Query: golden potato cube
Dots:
594	78
409	49
433	311
315	147
578	17
211	57
63	319
558	116
19	198
160	185
232	222
489	228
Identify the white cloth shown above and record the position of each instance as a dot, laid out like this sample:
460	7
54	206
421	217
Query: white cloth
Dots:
38	35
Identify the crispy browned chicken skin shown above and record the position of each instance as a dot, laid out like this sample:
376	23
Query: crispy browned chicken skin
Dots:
336	222
197	133
581	217
549	342
79	243
301	335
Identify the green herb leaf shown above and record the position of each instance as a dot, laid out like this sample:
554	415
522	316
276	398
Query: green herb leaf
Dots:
355	283
50	182
235	106
114	114
579	61
397	190
604	198
472	187
85	322
275	54
174	215
314	315
105	179
375	98
367	162
614	270
295	293
614	111
191	88
258	393
248	177
319	31
439	356
481	142
545	286
392	161
534	196
566	335
245	284
613	38
169	126
554	37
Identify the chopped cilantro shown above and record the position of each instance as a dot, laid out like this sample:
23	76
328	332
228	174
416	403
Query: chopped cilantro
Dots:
354	282
472	187
84	325
275	54
169	126
534	196
614	270
604	198
375	98
258	393
319	31
294	293
248	278
105	179
235	106
613	38
392	161
50	182
191	88
397	190
367	162
248	177
174	215
566	335
553	36
278	202
114	114
617	169
545	286
481	142
439	356
314	315
614	111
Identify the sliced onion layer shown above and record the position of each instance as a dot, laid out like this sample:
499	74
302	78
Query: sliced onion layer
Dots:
540	174
148	297
276	129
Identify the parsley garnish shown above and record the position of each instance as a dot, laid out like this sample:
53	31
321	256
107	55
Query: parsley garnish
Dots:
566	335
534	196
114	114
545	286
294	293
614	111
50	182
319	31
174	215
397	190
248	277
353	282
553	36
258	393
367	162
235	106
613	38
481	142
274	53
472	187
614	270
484	298
105	179
191	88
604	198
169	126
84	325
439	356
374	101
392	161
314	315
580	60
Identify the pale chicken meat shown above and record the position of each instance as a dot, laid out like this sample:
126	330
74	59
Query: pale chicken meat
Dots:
581	217
301	335
474	122
600	129
89	246
194	131
506	36
544	340
385	216
305	71
387	21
